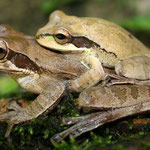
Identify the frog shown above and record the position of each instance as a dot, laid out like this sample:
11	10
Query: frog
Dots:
43	72
102	43
109	103
36	70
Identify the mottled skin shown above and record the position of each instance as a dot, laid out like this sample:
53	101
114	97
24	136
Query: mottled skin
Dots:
107	43
48	74
115	102
100	97
37	70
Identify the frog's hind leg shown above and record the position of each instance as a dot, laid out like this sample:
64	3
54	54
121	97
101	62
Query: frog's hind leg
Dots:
97	119
117	79
76	129
128	81
133	70
73	120
136	67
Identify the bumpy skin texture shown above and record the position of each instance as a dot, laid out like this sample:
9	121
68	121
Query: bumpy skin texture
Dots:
117	96
46	73
128	68
37	70
116	101
107	41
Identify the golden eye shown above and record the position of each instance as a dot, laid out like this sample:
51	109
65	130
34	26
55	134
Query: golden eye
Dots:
62	36
3	50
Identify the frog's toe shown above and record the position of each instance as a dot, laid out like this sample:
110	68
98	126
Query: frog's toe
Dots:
69	120
14	110
16	113
72	120
9	129
13	105
16	116
8	116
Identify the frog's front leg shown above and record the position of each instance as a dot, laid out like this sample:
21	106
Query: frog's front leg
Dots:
94	74
45	101
136	67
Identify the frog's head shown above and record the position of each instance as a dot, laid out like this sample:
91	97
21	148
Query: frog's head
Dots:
14	59
64	33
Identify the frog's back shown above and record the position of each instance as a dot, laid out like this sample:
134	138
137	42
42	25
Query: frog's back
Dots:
111	38
114	42
114	38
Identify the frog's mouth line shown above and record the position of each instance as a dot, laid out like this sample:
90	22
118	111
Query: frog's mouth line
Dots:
79	42
9	71
22	71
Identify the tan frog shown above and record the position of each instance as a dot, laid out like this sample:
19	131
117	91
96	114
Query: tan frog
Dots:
37	70
47	73
101	41
113	102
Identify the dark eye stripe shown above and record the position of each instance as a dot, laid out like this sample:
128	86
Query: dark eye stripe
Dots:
85	42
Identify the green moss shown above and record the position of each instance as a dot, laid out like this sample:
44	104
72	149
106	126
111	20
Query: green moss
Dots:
88	144
36	134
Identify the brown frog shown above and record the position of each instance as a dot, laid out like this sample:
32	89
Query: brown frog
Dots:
47	73
101	42
113	102
37	70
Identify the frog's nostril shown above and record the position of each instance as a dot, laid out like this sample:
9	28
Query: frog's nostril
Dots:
42	35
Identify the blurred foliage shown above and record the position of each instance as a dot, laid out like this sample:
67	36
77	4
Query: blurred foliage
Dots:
50	5
137	23
7	86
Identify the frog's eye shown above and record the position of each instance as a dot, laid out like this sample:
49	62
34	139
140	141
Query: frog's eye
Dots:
3	50
62	36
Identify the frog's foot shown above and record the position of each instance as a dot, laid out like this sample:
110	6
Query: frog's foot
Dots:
84	124
124	80
14	106
118	79
113	79
94	120
121	81
16	115
73	120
